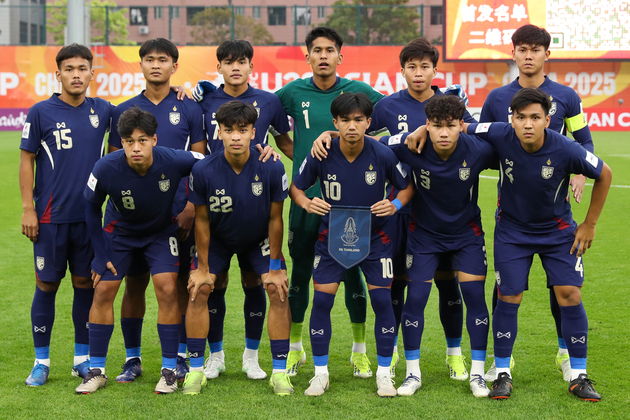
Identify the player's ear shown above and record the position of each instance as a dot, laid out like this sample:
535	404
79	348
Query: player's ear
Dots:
174	69
547	54
434	71
307	57
335	123
369	121
547	120
154	139
339	58
461	125
91	74
513	55
58	75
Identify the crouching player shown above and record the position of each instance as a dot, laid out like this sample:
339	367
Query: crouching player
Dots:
238	210
354	174
534	218
141	182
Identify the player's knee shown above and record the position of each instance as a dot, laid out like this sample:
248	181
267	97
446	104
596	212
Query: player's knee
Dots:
250	279
568	295
137	284
45	286
105	294
203	293
82	282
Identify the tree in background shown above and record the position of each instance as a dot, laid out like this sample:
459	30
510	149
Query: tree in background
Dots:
101	13
214	25
379	25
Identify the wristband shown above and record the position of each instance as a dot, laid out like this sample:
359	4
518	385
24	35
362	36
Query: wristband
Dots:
396	202
275	264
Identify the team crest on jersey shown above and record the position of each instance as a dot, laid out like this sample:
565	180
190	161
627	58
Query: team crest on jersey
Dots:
165	184
257	187
464	173
409	261
174	116
554	106
316	260
547	171
370	176
94	121
40	263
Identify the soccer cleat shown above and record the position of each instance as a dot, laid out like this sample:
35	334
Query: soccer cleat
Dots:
491	374
410	386
564	365
281	384
501	387
582	387
38	376
385	386
193	382
81	370
213	367
252	369
181	368
456	367
92	382
361	365
318	385
296	359
478	386
167	383
392	366
130	371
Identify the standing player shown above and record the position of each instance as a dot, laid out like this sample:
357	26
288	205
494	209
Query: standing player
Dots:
64	137
238	205
531	50
354	174
534	218
180	126
141	183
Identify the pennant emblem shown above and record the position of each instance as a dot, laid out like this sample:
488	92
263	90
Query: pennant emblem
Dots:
40	263
94	121
349	234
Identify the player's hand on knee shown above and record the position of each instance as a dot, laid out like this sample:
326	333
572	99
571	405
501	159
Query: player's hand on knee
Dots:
267	152
584	236
197	279
30	224
181	93
317	206
320	146
280	282
416	140
577	187
383	208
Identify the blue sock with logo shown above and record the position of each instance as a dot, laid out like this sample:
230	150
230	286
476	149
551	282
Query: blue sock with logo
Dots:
132	335
254	309
451	308
81	304
384	320
196	351
42	320
100	334
216	309
398	300
279	353
412	322
320	325
575	331
169	339
504	328
477	317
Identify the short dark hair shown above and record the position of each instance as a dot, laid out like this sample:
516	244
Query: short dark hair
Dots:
531	35
235	49
348	103
323	32
134	118
528	96
418	49
159	45
235	113
444	108
72	51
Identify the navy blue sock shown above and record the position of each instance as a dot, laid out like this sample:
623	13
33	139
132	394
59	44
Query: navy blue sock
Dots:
169	339
132	335
451	308
216	308
182	336
355	295
254	309
42	317
279	352
320	327
100	334
81	304
196	351
398	299
575	329
505	327
477	318
384	321
412	322
556	312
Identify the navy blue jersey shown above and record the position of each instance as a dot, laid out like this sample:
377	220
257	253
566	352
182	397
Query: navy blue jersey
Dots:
566	109
67	141
534	186
139	204
269	108
445	204
239	205
357	183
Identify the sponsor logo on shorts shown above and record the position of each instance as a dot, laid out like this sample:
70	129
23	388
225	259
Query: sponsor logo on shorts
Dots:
40	263
316	260
409	261
94	121
497	276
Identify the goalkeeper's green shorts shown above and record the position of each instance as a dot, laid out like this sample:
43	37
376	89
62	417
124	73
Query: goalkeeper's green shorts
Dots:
303	232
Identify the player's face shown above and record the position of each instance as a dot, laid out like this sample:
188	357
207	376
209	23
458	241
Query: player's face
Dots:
235	72
75	75
529	124
352	127
157	68
139	148
444	134
324	57
419	74
236	139
530	59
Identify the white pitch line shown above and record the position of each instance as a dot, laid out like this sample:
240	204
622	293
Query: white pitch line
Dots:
496	178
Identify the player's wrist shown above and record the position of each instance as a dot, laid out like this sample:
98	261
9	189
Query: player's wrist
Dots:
275	264
396	202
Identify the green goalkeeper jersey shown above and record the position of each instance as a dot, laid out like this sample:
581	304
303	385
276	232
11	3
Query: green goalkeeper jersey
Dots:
310	108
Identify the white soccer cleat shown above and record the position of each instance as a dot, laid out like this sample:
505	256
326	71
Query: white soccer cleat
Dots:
385	386
252	369
410	386
318	385
478	386
564	365
491	374
213	367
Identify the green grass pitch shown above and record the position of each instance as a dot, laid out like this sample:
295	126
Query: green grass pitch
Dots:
539	392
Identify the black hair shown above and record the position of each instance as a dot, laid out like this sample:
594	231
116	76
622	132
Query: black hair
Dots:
348	103
444	108
236	113
323	32
528	96
159	45
134	118
235	49
72	51
531	35
418	49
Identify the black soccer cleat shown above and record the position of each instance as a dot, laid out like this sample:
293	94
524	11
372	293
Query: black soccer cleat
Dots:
582	387
501	387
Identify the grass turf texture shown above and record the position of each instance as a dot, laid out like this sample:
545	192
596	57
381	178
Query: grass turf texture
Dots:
539	391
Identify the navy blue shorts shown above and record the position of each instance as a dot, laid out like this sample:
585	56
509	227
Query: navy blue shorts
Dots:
256	258
59	246
397	227
425	256
513	262
187	250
